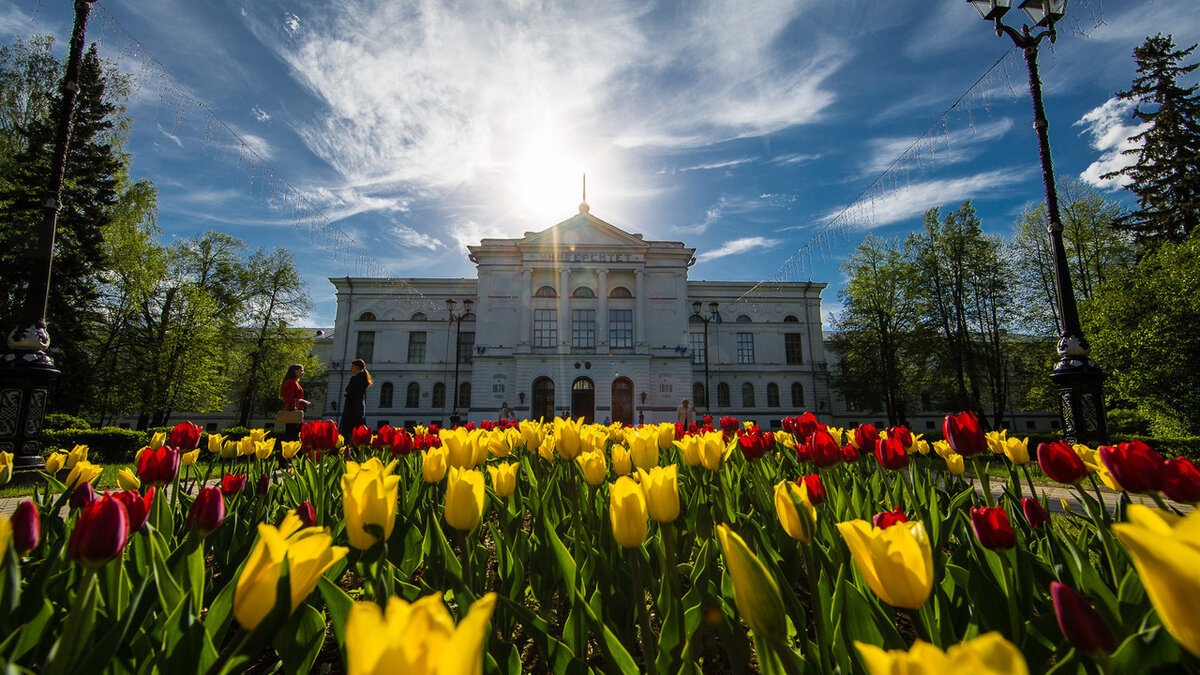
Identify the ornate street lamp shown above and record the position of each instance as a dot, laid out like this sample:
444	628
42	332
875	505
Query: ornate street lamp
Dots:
1078	377
712	314
457	319
26	368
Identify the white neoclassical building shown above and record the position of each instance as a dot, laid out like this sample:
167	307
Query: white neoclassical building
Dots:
581	319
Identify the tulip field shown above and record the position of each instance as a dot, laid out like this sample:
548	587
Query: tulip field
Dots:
564	547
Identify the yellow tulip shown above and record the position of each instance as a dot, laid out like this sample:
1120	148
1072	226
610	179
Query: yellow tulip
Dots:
666	435
498	444
627	509
263	449
309	552
369	492
464	498
84	472
246	447
6	469
942	448
661	485
433	464
838	434
988	654
128	480
189	458
504	478
259	435
915	444
644	450
568	441
462	447
996	441
622	463
689	448
78	454
229	449
531	434
417	639
754	590
56	462
593	466
956	463
289	449
896	562
715	450
1016	450
158	440
546	449
1166	552
921	446
795	510
5	534
215	443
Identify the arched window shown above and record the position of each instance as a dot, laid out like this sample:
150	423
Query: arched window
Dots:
698	395
791	318
439	396
583	292
743	318
412	397
620	292
367	316
418	316
695	318
797	395
772	395
722	395
385	395
464	395
747	395
546	292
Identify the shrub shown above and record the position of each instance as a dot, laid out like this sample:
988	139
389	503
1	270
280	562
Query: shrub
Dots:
56	421
1127	421
108	445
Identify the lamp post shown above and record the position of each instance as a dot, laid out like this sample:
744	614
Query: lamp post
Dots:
26	368
712	314
457	319
1078	377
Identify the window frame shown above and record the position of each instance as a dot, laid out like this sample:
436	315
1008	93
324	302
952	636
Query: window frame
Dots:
414	343
745	348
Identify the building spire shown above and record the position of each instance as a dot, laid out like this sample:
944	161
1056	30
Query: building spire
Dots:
583	206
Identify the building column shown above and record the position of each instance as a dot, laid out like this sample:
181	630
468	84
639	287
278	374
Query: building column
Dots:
602	310
639	321
526	313
564	323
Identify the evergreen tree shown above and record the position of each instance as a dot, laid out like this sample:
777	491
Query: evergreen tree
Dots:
1166	177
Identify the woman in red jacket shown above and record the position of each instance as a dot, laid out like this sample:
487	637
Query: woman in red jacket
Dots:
293	398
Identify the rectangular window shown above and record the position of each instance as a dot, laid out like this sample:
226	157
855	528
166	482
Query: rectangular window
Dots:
745	347
620	327
793	348
466	345
545	327
696	341
416	347
583	328
365	349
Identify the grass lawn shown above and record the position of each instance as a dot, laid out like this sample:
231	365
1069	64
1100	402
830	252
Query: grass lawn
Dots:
106	481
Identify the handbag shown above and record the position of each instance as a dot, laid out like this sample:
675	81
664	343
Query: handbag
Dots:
289	417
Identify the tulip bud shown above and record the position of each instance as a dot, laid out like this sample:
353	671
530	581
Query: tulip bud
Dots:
158	466
1135	465
6	467
823	449
891	454
754	589
661	486
55	463
137	507
308	515
100	533
850	453
464	498
794	509
208	511
889	518
504	479
158	439
1060	462
26	527
215	443
433	465
82	496
1181	480
816	489
627	511
185	436
956	464
1080	623
361	436
964	434
1035	515
263	486
232	484
993	528
127	480
622	461
83	472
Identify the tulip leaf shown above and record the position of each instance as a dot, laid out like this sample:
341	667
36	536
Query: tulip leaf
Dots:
339	605
140	605
185	645
300	640
76	629
1146	651
169	592
558	656
566	564
30	634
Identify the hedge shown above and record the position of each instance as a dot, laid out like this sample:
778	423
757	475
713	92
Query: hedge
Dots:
109	445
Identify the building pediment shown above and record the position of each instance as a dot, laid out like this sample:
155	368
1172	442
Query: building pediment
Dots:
582	230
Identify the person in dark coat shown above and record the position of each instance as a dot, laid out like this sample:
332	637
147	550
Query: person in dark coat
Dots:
354	411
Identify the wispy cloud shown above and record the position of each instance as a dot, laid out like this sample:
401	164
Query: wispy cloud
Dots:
410	237
291	23
915	199
169	135
737	246
795	158
1111	130
957	146
724	206
708	166
259	114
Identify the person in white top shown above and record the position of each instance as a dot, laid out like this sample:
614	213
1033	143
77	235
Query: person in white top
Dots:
684	414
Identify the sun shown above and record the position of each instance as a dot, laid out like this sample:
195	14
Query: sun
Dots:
546	179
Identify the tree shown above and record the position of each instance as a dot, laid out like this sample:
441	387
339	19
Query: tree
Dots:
1166	177
29	73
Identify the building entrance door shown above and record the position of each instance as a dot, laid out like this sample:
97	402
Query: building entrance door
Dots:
583	400
622	401
542	407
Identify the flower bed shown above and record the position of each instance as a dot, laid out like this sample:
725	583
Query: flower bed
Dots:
566	547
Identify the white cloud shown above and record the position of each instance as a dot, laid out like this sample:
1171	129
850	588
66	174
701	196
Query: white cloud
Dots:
707	166
169	135
1111	129
952	148
291	23
737	246
410	237
259	114
724	205
795	158
915	199
257	145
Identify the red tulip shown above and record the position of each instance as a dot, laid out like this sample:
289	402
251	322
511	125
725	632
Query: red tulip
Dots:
401	443
185	436
1181	480
263	486
803	452
361	436
730	425
889	518
137	507
158	467
816	489
208	511
1060	461
964	434
83	495
307	514
754	444
993	528
849	452
383	437
319	435
1080	623
232	484
1135	466
100	533
824	449
890	453
26	527
865	436
1034	513
901	434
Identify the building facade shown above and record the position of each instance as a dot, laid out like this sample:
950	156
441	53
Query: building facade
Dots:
584	320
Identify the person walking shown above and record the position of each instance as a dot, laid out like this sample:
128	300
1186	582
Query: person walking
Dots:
294	403
684	414
354	410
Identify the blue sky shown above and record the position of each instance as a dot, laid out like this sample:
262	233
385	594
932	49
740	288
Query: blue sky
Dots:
373	135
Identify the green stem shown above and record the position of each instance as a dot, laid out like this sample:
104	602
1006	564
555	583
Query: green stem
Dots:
1010	591
1029	479
927	625
813	574
648	639
984	480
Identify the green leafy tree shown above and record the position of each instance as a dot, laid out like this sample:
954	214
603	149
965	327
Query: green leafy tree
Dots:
1166	177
